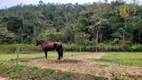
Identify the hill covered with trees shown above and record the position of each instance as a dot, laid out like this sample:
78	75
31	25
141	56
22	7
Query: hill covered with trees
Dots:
117	23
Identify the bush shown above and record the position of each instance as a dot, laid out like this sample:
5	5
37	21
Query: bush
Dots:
71	47
22	48
116	41
109	47
136	47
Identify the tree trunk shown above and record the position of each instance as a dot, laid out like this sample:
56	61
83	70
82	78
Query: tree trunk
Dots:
132	38
139	36
80	49
97	37
17	55
123	38
124	34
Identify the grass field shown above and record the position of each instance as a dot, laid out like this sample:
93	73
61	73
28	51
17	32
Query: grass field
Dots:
33	73
125	58
7	57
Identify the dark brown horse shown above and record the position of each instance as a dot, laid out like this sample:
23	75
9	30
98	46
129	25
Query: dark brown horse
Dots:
49	46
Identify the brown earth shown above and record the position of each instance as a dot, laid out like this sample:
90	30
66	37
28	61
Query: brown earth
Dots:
81	64
2	78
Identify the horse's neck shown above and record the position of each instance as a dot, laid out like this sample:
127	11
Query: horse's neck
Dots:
43	43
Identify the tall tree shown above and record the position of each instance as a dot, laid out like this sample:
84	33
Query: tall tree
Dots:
127	12
95	14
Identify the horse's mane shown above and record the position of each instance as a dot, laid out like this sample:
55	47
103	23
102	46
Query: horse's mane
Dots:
42	41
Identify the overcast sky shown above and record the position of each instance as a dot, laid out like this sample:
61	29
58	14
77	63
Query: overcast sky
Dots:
9	3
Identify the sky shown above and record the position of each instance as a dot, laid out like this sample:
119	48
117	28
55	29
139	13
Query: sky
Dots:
9	3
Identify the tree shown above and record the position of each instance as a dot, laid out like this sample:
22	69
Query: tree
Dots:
126	12
95	14
68	34
5	36
80	39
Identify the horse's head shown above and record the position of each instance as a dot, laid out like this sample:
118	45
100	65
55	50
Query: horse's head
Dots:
37	42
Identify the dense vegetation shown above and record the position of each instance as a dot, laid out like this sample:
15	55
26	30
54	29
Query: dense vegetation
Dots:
117	23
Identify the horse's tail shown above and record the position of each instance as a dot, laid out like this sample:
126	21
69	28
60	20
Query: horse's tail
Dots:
61	51
59	48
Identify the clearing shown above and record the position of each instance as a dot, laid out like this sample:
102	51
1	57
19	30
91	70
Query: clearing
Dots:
81	64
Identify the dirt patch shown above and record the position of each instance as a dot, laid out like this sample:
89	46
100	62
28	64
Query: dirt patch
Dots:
2	78
82	65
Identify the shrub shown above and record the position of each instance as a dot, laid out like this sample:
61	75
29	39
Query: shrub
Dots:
71	47
22	48
136	47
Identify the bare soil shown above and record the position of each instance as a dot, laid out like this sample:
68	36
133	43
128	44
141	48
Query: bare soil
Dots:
2	78
81	64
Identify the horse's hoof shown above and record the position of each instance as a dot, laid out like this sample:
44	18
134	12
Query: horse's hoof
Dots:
45	60
60	59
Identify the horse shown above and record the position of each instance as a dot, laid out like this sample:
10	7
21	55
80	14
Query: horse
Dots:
50	46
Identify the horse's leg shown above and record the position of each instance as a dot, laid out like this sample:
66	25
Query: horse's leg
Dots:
61	51
46	55
59	54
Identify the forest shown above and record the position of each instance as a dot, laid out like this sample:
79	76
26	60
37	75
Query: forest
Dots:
95	25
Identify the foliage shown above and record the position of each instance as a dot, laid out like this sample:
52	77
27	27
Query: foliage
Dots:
80	38
19	48
136	47
67	23
116	41
51	35
127	11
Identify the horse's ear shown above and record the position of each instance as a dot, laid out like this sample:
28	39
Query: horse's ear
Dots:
36	40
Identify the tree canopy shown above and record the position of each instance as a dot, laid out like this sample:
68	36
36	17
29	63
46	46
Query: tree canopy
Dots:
70	22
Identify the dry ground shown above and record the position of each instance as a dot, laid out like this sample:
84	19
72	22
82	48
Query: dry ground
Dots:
81	64
2	78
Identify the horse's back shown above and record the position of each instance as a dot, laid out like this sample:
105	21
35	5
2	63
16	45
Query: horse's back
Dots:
52	46
58	43
49	47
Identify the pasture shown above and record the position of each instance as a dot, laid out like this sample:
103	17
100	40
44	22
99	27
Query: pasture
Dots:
103	66
7	57
125	58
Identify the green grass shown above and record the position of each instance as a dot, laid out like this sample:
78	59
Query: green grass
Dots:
124	58
7	57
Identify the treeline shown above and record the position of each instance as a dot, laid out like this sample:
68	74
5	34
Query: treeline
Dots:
117	22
